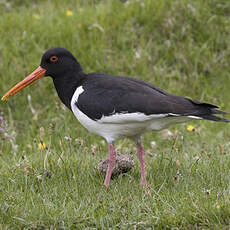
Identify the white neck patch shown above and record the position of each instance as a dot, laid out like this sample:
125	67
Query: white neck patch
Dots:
76	94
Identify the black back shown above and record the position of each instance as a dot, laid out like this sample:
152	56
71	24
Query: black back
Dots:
106	94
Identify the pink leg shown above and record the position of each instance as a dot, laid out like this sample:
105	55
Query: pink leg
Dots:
112	159
141	157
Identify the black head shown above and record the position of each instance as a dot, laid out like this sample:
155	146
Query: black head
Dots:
62	66
59	61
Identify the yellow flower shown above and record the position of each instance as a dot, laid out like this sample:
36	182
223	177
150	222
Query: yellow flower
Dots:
36	16
190	128
69	13
41	145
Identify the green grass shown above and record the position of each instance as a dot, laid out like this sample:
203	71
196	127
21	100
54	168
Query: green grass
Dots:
181	46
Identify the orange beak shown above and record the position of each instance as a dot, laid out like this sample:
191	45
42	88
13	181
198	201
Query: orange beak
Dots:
35	75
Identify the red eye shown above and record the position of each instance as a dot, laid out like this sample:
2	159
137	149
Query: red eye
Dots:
53	58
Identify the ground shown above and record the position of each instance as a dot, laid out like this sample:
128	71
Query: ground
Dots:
48	161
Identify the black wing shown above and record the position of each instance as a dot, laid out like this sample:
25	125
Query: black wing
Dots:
105	95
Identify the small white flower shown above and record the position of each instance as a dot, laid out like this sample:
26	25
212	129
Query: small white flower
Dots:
153	143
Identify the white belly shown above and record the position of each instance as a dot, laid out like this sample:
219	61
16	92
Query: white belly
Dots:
113	131
110	131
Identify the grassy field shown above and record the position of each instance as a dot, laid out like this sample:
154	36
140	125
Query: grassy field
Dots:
48	161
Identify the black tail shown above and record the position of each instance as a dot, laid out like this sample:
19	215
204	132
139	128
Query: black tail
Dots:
211	117
207	110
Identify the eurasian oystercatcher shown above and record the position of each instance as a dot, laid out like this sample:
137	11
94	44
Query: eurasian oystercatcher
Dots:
113	106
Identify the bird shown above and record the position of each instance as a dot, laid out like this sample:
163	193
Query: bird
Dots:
115	107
